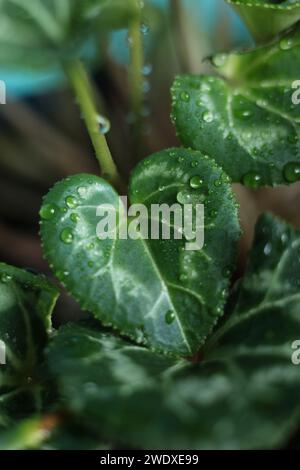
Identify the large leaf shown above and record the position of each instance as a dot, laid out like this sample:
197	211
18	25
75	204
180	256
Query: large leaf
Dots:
51	31
266	18
246	120
245	392
26	303
243	395
154	291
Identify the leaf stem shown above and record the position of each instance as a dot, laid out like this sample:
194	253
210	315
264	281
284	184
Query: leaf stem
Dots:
136	77
84	93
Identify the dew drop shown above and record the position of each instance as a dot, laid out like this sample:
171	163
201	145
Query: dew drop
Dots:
82	191
219	60
291	172
196	182
243	113
48	211
74	217
286	44
252	180
104	124
267	249
5	278
208	116
67	236
169	317
184	197
144	28
147	70
71	202
185	96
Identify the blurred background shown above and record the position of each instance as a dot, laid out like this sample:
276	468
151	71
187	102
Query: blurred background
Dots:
43	139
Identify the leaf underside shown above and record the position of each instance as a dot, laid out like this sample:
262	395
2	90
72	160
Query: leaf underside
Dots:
246	120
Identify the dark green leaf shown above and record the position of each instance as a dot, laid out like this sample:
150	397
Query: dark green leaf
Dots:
246	121
245	392
243	395
26	303
266	18
154	291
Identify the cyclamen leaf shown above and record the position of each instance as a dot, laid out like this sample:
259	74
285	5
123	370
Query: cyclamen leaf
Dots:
26	303
51	31
243	395
246	120
266	18
153	291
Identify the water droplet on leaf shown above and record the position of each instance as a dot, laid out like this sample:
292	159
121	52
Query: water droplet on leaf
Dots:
67	235
169	317
252	180
71	202
48	211
196	182
5	278
291	172
208	116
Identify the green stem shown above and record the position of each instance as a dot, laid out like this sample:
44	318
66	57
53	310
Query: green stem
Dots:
136	77
84	93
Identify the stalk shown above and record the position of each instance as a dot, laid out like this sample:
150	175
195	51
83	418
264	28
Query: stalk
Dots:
136	77
82	87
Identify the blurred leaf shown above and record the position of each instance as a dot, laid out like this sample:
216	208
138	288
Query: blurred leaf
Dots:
26	303
154	291
266	18
27	434
48	433
51	31
246	121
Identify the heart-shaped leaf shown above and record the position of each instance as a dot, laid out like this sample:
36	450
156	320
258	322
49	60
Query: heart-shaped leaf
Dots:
26	303
154	291
266	18
244	394
51	31
249	121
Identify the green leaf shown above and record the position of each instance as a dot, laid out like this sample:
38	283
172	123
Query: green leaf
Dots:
246	121
244	394
27	434
266	18
51	31
26	304
48	432
154	291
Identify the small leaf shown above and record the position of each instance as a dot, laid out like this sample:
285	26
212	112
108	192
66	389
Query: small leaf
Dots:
266	18
154	291
26	304
246	121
